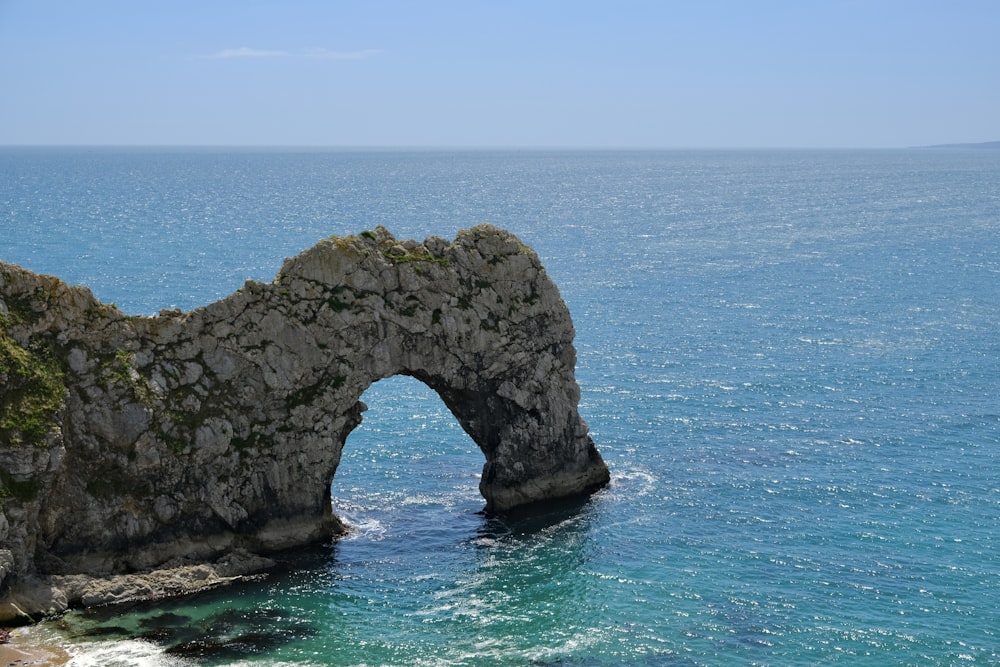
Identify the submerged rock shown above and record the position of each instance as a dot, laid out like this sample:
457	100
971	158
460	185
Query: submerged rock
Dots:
132	443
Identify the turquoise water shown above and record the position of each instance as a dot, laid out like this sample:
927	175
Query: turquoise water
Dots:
789	360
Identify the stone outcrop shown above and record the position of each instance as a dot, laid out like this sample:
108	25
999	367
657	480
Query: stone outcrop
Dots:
131	442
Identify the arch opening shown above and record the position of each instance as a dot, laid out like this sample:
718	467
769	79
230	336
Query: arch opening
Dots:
409	467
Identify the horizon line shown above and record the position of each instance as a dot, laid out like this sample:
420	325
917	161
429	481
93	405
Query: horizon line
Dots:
475	147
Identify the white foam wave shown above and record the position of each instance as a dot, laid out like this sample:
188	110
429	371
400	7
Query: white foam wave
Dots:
124	653
364	528
638	482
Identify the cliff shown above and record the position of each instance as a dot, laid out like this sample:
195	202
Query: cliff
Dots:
130	444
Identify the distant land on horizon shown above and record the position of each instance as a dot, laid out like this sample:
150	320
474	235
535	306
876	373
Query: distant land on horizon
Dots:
984	144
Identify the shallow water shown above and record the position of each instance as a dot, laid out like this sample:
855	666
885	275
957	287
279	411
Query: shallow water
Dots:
788	359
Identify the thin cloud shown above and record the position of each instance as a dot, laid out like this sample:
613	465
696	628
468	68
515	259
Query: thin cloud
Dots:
244	52
311	54
327	54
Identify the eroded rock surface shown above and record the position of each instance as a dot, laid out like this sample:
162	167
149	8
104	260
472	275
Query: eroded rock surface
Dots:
128	442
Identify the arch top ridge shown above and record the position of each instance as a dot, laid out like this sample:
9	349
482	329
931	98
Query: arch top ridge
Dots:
330	258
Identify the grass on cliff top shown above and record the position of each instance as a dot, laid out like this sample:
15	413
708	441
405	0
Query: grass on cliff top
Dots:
409	257
386	246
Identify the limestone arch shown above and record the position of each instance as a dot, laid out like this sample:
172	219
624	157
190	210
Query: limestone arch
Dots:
189	435
480	323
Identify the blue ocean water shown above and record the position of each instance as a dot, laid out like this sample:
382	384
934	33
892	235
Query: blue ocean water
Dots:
789	359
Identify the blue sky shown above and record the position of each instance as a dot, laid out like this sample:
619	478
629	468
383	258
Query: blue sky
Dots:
574	73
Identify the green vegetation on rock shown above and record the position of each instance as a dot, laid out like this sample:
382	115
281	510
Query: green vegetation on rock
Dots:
120	370
423	257
34	387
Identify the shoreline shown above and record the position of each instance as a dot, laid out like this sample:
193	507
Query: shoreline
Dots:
44	644
25	648
30	597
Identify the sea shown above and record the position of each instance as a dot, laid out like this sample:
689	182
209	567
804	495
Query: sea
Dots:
789	359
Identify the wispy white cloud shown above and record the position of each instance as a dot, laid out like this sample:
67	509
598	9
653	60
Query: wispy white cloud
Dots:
311	54
245	52
326	54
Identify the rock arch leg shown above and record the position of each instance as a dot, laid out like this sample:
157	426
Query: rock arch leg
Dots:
534	452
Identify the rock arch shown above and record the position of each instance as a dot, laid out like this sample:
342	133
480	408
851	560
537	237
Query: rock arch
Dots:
194	434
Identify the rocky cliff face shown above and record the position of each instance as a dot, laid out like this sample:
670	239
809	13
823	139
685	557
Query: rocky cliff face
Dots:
127	443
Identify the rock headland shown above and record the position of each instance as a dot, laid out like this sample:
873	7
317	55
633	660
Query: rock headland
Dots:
192	442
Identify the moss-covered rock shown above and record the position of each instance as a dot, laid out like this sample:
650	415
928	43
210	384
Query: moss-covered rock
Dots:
34	388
